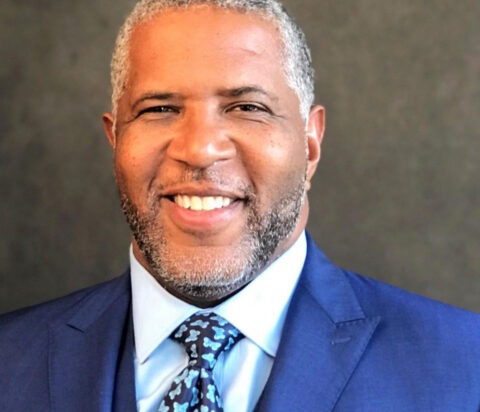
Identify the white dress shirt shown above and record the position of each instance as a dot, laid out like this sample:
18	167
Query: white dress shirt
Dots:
258	311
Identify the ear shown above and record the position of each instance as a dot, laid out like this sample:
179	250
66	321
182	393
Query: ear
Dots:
315	130
108	126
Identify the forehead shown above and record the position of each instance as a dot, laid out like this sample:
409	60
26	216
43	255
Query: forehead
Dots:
205	45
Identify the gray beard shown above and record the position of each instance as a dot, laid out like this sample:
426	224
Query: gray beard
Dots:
205	276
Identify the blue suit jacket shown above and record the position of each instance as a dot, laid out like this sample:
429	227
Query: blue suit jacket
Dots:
349	343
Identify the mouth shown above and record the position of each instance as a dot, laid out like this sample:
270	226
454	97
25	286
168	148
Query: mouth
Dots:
203	209
201	203
203	213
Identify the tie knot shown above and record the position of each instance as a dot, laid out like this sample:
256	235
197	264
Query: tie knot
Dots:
205	336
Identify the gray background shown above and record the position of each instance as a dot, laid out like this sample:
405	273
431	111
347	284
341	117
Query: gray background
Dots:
396	196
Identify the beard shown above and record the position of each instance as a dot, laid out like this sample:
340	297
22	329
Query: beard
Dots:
215	272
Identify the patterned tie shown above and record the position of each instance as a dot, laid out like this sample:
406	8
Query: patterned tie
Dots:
205	336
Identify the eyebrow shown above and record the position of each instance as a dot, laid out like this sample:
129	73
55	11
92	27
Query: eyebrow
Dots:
241	91
155	96
234	92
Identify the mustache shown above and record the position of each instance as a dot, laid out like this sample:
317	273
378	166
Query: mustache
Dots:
208	177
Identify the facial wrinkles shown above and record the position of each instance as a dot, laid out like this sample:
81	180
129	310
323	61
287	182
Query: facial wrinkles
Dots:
197	274
209	255
202	176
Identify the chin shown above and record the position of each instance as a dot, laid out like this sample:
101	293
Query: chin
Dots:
203	272
208	272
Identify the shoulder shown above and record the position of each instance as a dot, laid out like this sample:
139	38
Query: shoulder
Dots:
398	305
33	320
29	337
422	342
415	336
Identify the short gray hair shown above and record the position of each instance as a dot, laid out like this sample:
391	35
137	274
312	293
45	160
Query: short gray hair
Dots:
297	59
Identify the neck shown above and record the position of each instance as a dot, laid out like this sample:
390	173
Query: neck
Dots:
220	295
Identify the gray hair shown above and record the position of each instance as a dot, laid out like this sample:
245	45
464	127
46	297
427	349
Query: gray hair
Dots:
297	59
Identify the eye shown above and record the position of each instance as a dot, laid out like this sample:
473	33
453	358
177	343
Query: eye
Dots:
248	108
159	109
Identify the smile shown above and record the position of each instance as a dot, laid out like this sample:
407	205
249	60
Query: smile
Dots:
202	203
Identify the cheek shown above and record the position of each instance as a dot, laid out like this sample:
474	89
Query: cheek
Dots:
276	164
136	162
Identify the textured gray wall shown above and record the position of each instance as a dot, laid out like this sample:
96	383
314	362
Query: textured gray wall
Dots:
396	196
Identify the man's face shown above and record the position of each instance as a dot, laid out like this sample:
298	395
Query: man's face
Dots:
211	153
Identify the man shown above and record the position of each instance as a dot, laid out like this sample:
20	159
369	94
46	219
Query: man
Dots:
215	140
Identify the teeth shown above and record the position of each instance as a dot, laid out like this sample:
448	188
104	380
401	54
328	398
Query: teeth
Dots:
219	201
196	203
208	203
226	201
199	203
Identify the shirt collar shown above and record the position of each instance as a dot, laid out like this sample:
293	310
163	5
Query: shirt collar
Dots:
156	312
258	310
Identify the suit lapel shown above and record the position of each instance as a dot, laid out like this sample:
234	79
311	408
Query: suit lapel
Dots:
324	337
84	349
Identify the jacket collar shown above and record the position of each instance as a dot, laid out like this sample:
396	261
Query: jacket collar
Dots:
324	337
85	346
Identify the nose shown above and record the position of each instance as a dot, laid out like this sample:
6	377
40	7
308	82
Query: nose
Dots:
201	141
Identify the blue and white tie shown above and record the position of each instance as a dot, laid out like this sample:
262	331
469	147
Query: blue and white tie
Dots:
205	336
